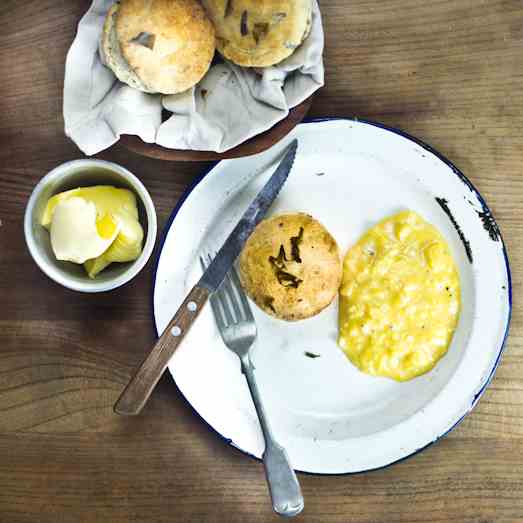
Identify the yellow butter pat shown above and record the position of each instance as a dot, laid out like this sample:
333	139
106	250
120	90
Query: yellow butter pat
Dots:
95	226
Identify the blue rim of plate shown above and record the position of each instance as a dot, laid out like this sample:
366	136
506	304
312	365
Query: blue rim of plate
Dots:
463	179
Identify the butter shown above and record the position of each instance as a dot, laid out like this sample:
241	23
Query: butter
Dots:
107	199
126	247
95	226
77	234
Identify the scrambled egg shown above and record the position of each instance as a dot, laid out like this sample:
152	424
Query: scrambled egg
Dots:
399	298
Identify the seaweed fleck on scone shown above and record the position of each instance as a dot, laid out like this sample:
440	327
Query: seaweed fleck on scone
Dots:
256	33
291	267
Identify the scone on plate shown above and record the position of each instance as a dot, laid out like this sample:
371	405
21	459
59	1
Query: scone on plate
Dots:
158	46
259	33
291	267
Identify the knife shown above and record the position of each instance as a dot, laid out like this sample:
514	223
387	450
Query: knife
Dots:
138	390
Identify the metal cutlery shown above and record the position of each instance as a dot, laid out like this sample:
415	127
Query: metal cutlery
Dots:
140	387
237	327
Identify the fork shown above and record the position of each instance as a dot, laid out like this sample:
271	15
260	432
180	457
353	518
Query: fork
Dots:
235	322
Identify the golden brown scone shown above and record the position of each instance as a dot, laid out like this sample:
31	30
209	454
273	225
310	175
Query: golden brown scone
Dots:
259	33
291	267
159	46
111	55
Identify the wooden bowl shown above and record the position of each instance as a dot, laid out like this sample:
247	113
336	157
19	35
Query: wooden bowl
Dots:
254	145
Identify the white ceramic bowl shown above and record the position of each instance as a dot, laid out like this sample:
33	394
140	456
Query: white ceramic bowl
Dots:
83	173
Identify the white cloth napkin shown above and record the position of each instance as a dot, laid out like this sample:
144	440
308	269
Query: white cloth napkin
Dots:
228	106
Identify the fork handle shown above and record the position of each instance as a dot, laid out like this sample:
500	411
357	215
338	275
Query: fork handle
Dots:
137	392
285	491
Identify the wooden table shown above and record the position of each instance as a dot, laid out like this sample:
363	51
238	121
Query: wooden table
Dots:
447	71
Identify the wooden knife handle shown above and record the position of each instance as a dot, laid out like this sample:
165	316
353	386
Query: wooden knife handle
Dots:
138	390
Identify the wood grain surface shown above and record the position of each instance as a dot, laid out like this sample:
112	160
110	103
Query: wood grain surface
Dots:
447	71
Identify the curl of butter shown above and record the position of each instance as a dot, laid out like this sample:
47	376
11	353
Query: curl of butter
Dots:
78	237
78	234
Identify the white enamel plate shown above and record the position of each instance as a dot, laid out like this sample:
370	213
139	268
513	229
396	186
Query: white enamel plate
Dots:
331	417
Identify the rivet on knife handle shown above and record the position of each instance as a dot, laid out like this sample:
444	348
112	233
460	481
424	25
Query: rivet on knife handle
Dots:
137	392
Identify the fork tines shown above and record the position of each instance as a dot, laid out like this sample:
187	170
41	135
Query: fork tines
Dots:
229	303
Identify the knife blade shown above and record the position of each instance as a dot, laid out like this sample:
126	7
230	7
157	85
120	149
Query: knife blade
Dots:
141	385
222	262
